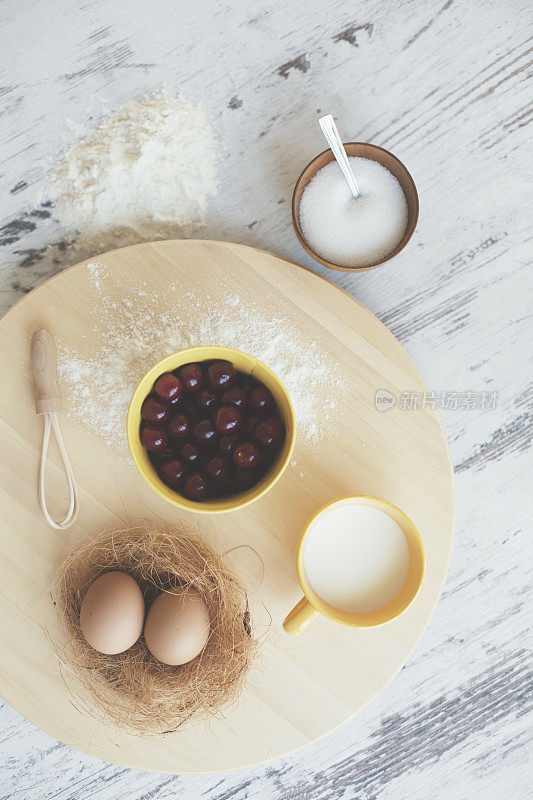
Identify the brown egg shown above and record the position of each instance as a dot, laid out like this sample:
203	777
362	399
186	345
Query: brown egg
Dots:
177	626
112	613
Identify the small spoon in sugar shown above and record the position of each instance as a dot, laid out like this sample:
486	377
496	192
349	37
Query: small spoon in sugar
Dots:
329	129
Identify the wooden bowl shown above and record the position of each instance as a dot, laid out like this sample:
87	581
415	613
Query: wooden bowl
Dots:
383	157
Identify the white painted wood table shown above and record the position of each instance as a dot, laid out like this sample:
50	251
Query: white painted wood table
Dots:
443	85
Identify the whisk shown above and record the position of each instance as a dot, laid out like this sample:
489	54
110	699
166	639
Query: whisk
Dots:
48	404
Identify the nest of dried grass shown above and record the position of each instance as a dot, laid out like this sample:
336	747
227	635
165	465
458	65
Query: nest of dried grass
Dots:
132	689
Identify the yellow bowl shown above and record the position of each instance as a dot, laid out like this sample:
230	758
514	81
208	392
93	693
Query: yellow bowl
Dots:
243	363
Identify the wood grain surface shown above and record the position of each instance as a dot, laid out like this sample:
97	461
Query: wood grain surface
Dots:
443	86
303	686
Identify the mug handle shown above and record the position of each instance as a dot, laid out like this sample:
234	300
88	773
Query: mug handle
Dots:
299	617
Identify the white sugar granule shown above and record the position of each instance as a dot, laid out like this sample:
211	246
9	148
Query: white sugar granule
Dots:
353	232
139	326
144	173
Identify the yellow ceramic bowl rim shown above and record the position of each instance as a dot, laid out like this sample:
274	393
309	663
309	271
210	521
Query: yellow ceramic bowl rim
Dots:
390	610
204	353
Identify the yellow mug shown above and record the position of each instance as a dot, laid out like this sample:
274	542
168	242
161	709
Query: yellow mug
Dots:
242	362
311	605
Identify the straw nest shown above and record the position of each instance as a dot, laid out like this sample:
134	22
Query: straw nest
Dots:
132	689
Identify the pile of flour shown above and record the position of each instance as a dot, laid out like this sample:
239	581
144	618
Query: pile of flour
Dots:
137	325
145	172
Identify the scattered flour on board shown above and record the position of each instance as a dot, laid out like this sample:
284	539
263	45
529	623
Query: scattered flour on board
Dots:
137	326
145	172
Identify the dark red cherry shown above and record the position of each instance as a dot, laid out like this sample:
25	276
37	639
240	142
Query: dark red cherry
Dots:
268	432
221	374
178	426
160	456
227	442
168	387
191	377
227	419
196	486
172	472
250	424
234	396
206	399
154	410
153	438
260	399
204	431
189	452
246	455
245	478
192	411
218	468
246	383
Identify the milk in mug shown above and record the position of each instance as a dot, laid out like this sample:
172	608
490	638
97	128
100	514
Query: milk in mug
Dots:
356	557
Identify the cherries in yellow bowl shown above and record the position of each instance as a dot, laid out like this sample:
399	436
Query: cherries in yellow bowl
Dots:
211	429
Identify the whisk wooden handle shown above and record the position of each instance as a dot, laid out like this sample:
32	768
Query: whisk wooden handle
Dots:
44	364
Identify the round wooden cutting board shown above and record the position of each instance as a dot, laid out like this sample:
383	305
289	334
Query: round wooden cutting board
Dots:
303	686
